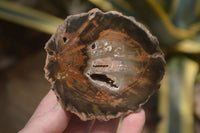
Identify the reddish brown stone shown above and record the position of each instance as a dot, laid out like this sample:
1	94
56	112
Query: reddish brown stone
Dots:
103	65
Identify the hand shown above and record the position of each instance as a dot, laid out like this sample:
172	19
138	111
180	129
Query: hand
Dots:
49	117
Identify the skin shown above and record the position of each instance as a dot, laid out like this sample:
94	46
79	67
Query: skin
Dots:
49	117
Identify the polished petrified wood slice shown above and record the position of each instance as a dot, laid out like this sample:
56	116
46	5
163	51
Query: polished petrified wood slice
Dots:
103	65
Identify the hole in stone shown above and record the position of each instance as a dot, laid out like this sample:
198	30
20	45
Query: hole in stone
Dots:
50	52
103	78
91	15
100	65
64	39
93	46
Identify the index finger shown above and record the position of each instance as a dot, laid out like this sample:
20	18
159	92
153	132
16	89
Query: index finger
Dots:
133	122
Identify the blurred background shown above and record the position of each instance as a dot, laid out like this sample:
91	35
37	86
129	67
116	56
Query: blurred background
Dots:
26	25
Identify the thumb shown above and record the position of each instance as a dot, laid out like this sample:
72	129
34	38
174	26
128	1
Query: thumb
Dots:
49	117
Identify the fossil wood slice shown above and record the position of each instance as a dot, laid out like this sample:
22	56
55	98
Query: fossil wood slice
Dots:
103	65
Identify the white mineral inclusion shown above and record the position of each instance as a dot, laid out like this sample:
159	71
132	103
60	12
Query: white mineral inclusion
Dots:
110	64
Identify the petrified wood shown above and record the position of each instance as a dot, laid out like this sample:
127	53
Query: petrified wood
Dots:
103	65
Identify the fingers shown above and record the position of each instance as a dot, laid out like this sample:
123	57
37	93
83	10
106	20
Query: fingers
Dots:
133	123
78	126
105	127
49	117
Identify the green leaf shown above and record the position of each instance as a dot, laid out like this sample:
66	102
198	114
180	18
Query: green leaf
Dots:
103	4
188	46
176	96
29	17
185	13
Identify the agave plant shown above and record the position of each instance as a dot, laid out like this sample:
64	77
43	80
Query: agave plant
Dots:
177	27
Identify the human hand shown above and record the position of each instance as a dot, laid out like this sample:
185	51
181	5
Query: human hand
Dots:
49	117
